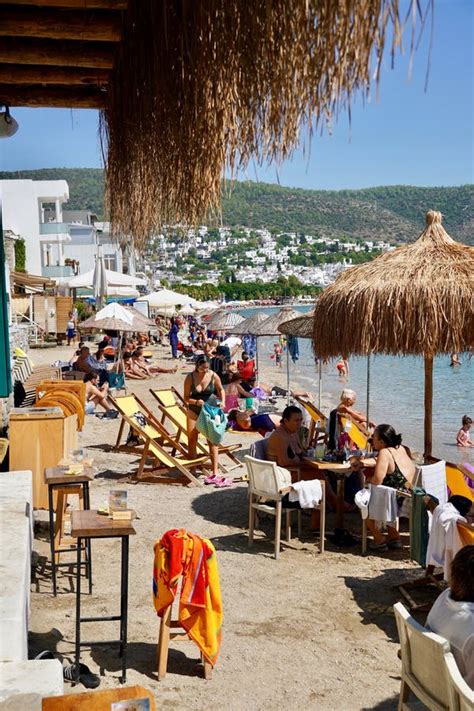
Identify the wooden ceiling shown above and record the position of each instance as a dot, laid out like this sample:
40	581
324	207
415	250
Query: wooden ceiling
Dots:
58	53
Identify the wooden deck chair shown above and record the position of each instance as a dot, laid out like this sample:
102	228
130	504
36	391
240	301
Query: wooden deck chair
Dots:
130	407
457	483
356	434
318	419
460	693
424	672
173	409
164	461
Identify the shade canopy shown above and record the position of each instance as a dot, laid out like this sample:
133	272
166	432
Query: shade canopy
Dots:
417	299
86	280
250	325
115	317
225	321
301	327
167	299
270	326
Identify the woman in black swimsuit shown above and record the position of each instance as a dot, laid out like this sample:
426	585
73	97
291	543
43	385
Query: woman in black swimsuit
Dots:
198	388
395	469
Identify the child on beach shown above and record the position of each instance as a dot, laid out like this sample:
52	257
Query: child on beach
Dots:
463	439
277	350
234	391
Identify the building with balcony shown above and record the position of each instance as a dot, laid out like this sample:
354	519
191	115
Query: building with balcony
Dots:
24	205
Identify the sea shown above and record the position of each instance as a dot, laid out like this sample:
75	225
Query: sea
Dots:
396	390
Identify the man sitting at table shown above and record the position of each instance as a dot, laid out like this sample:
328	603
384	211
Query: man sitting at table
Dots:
286	449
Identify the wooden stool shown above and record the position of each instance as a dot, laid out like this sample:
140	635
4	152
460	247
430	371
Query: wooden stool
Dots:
60	539
166	625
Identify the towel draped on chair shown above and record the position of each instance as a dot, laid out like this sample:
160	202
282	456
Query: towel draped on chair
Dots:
180	553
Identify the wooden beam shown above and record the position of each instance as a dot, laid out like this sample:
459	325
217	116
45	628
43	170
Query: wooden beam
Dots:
83	25
48	52
30	74
72	4
54	97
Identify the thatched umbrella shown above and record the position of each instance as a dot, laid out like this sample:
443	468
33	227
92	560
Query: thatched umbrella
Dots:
302	327
270	327
417	299
225	321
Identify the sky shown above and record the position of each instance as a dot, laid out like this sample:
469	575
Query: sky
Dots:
406	135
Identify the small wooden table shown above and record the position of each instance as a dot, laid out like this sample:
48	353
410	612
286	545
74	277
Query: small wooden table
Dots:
56	478
87	525
339	470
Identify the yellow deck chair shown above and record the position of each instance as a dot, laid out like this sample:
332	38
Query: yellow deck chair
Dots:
456	482
355	433
316	415
466	533
172	408
152	436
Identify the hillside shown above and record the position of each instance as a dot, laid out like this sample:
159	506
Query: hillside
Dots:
394	212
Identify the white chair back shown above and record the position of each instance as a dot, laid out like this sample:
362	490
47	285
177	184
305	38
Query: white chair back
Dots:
423	665
258	449
265	478
461	694
432	477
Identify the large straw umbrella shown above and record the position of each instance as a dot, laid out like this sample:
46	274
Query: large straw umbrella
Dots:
225	321
270	327
417	299
302	327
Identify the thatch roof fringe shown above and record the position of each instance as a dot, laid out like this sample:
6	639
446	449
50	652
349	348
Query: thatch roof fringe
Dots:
417	299
198	85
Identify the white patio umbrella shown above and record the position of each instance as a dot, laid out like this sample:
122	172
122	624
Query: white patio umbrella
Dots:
99	280
167	301
86	280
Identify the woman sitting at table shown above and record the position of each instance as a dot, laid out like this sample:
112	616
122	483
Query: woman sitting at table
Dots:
394	468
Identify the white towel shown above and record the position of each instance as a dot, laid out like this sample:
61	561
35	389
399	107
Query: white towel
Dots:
443	517
383	503
307	493
361	499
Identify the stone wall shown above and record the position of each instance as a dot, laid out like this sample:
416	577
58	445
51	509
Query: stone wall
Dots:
18	339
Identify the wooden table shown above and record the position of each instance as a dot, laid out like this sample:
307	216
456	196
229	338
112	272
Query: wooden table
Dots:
90	524
339	469
56	478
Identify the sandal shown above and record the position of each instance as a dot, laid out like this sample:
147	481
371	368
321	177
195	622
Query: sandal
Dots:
211	479
223	483
86	677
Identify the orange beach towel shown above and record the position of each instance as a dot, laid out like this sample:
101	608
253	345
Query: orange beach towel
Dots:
180	553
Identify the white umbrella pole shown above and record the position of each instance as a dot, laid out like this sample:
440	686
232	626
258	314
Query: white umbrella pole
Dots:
287	374
320	376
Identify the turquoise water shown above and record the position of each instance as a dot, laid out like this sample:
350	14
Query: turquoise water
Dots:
396	391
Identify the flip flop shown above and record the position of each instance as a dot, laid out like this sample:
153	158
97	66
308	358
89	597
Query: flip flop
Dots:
224	483
86	677
211	479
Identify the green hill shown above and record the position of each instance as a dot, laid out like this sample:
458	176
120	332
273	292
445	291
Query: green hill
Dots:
394	213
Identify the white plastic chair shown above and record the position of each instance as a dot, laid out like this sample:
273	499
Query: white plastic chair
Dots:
432	477
460	693
424	670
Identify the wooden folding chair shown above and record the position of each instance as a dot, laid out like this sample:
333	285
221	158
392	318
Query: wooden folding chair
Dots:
148	435
173	408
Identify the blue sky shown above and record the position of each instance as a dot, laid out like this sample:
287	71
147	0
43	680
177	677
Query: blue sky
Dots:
406	136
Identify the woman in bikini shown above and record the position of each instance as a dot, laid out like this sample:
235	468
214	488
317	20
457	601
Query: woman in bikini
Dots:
395	469
199	385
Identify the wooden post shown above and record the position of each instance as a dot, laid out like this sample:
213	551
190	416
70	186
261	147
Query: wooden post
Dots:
428	406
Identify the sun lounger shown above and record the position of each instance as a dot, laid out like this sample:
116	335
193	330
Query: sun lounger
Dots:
173	410
153	437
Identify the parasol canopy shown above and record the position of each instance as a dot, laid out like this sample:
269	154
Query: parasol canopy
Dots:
225	321
249	326
115	317
270	326
417	299
86	280
301	327
99	279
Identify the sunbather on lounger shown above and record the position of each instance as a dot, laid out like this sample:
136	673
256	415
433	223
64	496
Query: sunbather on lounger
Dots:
148	370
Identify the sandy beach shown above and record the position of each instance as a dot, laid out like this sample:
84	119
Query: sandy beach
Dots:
309	630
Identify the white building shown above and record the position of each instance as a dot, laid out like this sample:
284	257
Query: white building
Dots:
23	210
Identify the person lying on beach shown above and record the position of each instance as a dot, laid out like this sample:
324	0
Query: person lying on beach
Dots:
96	395
285	448
462	438
150	370
131	370
249	421
394	468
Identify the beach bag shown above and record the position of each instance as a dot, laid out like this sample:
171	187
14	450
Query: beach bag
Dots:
212	423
